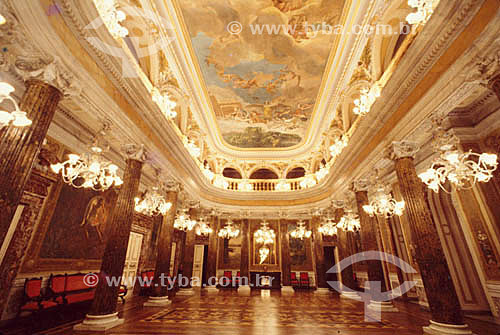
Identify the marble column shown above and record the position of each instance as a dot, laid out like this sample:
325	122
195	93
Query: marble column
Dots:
447	317
319	256
161	284
103	314
19	147
344	251
245	256
286	268
369	243
187	263
213	240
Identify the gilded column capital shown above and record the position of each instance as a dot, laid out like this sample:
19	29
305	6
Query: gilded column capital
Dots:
403	149
135	152
51	72
360	185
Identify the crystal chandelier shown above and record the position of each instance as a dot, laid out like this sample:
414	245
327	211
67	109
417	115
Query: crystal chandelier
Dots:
264	235
328	228
90	170
300	231
152	203
207	172
229	231
463	170
166	105
339	145
3	20
423	13
112	17
350	222
184	222
192	148
203	229
17	117
366	100
221	182
384	204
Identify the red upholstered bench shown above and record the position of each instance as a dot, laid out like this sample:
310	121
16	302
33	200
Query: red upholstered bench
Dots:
76	290
33	299
57	284
294	280
304	279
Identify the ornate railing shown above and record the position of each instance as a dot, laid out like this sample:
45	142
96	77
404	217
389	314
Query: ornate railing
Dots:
264	185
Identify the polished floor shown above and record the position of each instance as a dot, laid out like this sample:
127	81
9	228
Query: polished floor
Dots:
269	313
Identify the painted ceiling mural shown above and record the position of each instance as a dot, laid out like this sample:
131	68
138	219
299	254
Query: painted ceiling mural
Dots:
263	86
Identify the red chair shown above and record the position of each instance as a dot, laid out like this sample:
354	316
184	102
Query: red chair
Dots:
57	285
227	279
33	300
294	280
304	279
237	280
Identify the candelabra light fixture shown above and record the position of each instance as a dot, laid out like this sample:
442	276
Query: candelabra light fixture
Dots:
301	231
229	231
166	104
203	229
184	222
193	150
283	186
339	145
384	204
462	169
424	8
328	228
152	203
18	118
321	173
308	181
90	170
350	222
264	235
112	17
368	97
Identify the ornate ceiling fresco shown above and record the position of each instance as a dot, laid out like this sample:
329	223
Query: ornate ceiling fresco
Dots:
262	86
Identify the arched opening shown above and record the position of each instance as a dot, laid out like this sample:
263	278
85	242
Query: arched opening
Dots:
231	173
297	172
263	174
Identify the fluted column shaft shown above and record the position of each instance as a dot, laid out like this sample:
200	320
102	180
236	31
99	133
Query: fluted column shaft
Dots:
285	254
344	249
369	240
245	249
441	294
115	252
19	147
164	245
212	248
319	253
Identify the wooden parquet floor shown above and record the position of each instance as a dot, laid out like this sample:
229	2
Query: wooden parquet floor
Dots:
303	313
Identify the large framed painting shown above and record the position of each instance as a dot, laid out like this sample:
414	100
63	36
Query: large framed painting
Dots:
265	257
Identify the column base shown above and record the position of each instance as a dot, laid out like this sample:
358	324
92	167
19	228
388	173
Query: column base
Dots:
287	290
350	295
186	291
436	328
211	290
383	306
99	323
244	290
157	302
322	290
